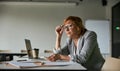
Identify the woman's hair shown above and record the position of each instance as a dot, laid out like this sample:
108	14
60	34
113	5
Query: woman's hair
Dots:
77	21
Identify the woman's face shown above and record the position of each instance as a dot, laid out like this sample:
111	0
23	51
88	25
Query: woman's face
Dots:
71	29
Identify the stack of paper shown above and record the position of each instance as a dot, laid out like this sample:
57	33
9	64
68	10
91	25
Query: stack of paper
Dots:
26	64
30	64
57	63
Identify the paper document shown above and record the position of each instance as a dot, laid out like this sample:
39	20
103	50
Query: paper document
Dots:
26	64
30	64
57	63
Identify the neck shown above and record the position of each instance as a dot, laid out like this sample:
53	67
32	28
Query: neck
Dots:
76	37
75	40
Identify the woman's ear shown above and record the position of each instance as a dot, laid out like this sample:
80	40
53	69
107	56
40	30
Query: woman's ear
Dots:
78	28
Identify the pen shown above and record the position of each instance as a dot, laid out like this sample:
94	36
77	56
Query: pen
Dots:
21	60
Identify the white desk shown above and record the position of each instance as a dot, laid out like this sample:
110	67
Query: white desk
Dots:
74	66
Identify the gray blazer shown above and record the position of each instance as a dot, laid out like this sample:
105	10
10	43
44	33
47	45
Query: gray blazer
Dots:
87	54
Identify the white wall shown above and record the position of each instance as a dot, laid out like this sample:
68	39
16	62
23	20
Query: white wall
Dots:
102	29
37	22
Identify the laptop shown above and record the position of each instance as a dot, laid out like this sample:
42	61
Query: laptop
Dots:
28	48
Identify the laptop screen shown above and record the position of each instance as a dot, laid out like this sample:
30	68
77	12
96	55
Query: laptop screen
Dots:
28	44
28	47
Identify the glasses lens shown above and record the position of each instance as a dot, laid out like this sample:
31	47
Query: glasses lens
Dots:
68	26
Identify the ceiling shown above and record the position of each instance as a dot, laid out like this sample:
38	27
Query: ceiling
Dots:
50	1
42	0
77	2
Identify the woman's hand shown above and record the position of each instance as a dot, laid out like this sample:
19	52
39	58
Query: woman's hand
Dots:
54	57
59	30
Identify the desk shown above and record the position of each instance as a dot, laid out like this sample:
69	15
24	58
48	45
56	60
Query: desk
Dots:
11	54
74	66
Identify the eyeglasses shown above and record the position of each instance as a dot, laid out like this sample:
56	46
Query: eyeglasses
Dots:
69	26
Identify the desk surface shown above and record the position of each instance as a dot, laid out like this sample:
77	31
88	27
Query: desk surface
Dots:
74	66
68	67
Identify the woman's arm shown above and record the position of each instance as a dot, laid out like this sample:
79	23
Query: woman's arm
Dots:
61	54
59	32
55	57
64	50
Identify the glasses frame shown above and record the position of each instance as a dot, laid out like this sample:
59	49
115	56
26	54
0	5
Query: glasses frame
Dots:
68	26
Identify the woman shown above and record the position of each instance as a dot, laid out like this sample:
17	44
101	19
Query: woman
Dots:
81	45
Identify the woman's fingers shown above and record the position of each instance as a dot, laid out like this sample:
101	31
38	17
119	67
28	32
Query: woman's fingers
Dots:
59	29
53	57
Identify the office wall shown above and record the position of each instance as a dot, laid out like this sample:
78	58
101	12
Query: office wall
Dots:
37	22
103	34
109	9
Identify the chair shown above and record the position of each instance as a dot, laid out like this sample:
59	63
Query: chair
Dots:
4	57
111	64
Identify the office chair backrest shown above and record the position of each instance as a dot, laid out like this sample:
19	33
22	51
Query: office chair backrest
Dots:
111	64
